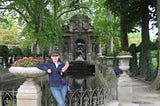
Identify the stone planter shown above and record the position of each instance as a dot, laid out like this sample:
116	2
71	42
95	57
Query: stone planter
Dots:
27	72
124	81
29	92
124	62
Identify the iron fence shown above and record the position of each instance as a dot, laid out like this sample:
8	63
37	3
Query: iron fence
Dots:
80	97
8	98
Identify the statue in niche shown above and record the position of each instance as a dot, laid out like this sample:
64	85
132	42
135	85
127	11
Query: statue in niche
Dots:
85	25
80	49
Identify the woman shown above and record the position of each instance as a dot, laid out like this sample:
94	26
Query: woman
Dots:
57	77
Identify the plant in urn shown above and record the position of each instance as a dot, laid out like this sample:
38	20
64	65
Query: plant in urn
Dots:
124	59
29	91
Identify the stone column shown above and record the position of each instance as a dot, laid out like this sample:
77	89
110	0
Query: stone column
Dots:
125	89
109	62
0	98
89	48
29	94
99	50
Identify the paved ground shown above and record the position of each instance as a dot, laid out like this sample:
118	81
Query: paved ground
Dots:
143	95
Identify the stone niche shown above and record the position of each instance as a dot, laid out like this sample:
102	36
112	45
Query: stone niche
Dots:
79	39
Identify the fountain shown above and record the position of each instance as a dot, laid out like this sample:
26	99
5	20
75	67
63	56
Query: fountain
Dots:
80	69
80	50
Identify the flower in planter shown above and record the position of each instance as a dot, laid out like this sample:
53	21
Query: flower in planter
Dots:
124	53
27	62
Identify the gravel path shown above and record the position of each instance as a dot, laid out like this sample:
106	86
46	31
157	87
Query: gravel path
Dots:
143	95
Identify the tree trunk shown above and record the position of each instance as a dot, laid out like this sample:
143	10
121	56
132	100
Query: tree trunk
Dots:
124	36
133	62
145	52
156	83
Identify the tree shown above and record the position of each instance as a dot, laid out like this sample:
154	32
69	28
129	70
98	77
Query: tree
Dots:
8	30
145	52
128	11
156	83
43	18
135	13
106	27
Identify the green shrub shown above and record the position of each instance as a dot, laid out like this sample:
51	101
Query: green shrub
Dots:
15	51
27	52
4	53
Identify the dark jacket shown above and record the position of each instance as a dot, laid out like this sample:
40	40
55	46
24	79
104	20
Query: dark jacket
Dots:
117	70
55	78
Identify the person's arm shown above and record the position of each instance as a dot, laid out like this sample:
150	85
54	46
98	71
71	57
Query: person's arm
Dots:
44	66
65	67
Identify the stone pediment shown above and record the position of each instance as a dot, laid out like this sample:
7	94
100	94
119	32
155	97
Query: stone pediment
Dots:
78	23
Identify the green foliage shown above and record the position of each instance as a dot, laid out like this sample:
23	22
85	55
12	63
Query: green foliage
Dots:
26	52
8	30
124	53
11	103
15	51
53	33
154	55
44	19
151	72
7	22
106	26
116	48
131	9
4	53
27	37
3	50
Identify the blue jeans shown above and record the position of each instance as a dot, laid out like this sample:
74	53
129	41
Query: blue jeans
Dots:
59	94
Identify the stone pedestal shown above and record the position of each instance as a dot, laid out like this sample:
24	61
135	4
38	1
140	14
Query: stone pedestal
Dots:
0	98
125	88
124	81
29	94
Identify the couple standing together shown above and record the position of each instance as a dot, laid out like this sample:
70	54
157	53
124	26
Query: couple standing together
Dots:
56	70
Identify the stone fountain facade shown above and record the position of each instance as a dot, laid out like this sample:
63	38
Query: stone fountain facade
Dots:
79	39
79	45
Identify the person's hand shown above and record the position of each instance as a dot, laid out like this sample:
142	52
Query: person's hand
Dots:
65	67
49	71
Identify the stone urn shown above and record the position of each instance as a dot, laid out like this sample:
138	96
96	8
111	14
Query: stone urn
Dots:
27	72
29	92
124	81
123	62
